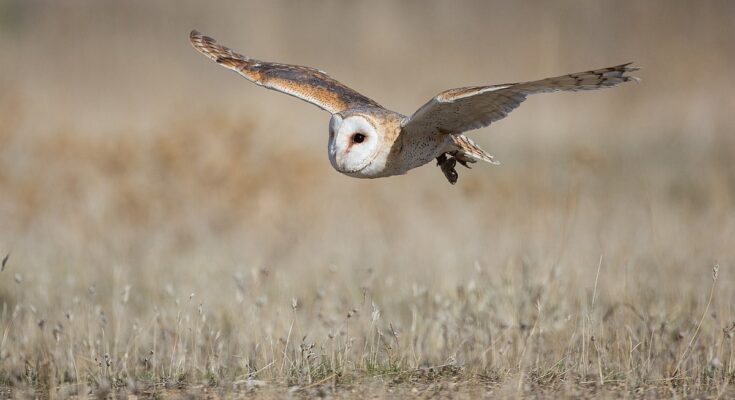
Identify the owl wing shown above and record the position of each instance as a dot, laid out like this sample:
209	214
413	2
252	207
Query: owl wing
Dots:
463	109
306	83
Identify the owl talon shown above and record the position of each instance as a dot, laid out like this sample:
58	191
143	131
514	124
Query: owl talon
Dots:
447	166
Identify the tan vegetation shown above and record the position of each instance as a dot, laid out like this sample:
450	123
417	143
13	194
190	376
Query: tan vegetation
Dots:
174	230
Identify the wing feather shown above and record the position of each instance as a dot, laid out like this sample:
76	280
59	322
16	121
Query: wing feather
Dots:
305	83
463	109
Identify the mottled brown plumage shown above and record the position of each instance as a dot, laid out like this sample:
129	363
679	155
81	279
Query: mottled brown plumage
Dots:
369	141
306	83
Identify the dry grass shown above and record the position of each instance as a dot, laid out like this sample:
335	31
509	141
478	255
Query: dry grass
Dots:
205	255
179	262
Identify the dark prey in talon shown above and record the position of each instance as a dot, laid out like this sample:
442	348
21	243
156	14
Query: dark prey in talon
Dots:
367	140
447	166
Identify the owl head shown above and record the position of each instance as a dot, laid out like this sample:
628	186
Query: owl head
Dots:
356	145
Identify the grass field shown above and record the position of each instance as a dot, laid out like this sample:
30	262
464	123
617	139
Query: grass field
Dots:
173	231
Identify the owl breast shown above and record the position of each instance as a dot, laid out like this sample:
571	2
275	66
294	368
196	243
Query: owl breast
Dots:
418	150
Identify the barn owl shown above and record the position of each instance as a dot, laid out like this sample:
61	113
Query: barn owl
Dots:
367	140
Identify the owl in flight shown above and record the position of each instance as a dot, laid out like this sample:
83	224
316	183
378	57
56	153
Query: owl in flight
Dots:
367	140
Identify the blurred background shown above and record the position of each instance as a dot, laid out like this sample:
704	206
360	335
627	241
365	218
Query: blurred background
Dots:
127	158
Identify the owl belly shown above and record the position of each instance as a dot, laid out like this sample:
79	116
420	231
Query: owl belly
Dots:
426	149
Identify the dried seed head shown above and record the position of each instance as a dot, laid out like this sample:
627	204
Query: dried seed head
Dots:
393	331
57	331
4	262
728	331
376	313
125	294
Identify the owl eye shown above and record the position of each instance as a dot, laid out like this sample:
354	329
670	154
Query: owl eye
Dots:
358	138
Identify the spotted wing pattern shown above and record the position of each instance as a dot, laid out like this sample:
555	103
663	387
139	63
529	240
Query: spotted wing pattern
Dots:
463	109
305	83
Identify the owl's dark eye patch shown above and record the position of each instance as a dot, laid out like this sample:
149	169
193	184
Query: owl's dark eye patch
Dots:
358	138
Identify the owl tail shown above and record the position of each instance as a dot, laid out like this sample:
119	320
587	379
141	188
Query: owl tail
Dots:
468	152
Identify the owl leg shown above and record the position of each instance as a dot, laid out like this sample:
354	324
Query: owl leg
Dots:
464	160
447	165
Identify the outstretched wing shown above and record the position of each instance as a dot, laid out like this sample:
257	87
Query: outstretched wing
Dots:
306	83
463	109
